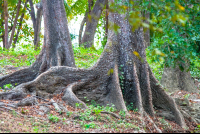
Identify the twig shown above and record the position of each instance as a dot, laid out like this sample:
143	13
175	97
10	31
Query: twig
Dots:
113	114
56	105
8	109
21	114
157	129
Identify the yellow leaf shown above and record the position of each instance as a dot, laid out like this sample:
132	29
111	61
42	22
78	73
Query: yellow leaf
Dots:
110	71
181	8
125	7
172	52
136	53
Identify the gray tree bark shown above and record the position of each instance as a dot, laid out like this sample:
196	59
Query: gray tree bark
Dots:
57	48
38	26
91	24
15	24
100	82
20	24
6	24
173	79
36	20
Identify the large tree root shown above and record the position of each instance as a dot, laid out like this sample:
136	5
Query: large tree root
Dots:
162	100
16	78
99	83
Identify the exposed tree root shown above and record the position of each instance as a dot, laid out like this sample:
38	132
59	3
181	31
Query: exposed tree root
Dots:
162	100
157	129
113	114
99	83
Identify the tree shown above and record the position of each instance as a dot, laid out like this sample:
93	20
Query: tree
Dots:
88	10
123	53
20	23
11	22
6	24
56	50
91	24
177	44
14	25
36	20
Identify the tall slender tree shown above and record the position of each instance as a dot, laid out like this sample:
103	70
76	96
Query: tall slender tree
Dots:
6	24
91	24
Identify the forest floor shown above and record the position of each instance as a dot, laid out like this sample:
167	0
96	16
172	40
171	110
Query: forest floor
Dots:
92	120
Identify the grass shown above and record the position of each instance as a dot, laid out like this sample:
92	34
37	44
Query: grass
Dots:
85	121
25	56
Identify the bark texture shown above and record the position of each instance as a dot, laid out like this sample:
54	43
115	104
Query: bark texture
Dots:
57	47
100	82
6	24
20	24
174	79
38	26
15	24
146	14
91	25
36	20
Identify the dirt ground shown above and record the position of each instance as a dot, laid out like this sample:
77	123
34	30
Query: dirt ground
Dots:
29	119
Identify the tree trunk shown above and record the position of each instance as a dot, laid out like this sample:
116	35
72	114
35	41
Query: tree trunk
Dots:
38	27
14	25
174	79
32	13
3	33
106	25
88	11
91	25
57	48
81	27
101	82
6	24
147	30
20	24
36	20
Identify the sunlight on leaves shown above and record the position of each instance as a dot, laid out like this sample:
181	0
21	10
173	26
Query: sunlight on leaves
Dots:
110	71
138	56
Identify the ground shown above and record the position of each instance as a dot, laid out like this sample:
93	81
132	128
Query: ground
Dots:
94	119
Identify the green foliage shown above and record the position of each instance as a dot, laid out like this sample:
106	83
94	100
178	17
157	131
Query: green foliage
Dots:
90	125
26	51
86	57
178	41
75	7
8	86
53	118
69	113
122	113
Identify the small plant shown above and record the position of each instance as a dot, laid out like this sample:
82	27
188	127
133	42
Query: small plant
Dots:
14	113
78	105
8	86
36	129
165	123
122	113
97	111
186	96
90	125
54	119
69	113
